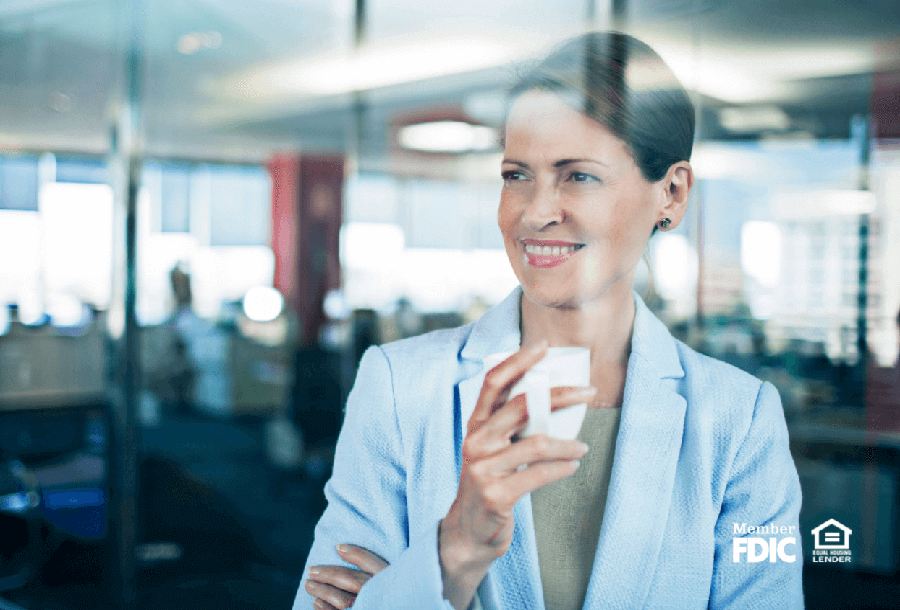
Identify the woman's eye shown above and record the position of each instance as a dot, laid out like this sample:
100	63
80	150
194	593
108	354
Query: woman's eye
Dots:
583	177
512	175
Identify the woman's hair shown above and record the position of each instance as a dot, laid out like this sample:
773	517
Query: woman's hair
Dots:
624	85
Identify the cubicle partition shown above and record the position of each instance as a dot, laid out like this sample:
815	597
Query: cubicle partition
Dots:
54	445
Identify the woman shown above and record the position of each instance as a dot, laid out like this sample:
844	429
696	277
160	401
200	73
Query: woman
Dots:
429	474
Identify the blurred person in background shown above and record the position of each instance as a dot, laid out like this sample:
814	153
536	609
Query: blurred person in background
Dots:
174	375
435	502
409	321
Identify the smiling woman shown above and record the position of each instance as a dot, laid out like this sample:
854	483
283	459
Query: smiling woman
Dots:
439	499
570	183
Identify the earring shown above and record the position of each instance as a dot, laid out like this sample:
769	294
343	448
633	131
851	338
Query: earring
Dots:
664	223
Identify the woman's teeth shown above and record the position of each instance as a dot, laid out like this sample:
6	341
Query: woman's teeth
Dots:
549	250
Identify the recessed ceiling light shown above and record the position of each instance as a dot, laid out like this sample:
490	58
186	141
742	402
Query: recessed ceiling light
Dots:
192	42
754	119
60	102
448	137
385	63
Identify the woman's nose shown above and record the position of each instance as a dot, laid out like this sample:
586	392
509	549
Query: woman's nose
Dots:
543	209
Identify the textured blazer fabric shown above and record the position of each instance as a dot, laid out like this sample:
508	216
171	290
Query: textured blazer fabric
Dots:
701	447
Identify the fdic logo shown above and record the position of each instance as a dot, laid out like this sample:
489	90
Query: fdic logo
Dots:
759	549
832	542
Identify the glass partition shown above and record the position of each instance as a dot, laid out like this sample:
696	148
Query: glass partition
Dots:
320	177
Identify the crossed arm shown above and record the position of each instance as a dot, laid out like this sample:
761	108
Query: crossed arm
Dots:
336	587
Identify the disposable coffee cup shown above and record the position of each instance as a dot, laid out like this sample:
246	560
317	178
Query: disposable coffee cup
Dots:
562	366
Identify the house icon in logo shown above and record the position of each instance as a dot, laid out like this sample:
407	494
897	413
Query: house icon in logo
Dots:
832	535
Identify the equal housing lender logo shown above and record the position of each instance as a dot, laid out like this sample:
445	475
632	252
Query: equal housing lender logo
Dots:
832	543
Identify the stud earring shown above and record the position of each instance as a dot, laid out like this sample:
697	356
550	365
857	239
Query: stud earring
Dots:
664	223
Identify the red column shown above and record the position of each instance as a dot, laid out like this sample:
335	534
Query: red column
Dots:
885	104
307	203
285	194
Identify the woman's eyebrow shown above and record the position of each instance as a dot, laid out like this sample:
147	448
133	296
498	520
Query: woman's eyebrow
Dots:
563	162
560	163
513	162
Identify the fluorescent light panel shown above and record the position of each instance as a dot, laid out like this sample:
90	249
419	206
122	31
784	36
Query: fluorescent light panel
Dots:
448	137
384	63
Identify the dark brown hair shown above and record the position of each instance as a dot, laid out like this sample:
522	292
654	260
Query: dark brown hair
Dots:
624	85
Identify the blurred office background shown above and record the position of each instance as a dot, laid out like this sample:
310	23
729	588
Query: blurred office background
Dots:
210	208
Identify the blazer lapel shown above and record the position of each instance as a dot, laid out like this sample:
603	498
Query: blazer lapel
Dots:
496	331
647	449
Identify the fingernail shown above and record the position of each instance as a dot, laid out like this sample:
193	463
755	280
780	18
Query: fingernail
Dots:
537	349
343	548
575	463
311	585
590	391
581	447
318	603
314	571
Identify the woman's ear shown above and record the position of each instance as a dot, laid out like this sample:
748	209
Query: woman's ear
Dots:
677	186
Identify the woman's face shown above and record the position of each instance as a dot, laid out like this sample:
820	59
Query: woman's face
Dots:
575	212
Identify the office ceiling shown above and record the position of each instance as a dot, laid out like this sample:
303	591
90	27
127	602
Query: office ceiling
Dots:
240	81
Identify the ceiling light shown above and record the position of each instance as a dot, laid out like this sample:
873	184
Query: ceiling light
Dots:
192	42
60	102
753	73
754	119
718	75
448	137
724	162
385	63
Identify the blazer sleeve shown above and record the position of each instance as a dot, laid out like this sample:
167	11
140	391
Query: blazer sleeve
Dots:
367	503
763	489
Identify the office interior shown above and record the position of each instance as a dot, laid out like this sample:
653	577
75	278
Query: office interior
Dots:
210	209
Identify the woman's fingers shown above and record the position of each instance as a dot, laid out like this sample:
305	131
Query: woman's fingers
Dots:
494	435
321	604
566	396
336	587
531	450
498	380
365	560
345	579
536	475
512	417
338	598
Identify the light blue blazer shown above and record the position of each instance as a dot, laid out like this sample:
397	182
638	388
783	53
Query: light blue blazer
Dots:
702	447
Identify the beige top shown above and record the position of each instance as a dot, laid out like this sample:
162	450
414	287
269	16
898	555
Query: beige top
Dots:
568	515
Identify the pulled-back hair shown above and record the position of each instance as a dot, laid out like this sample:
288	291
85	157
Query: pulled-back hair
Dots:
624	85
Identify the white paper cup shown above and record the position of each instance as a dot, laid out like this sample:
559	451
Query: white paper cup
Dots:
562	366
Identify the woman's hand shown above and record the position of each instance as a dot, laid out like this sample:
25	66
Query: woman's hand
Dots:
479	525
336	587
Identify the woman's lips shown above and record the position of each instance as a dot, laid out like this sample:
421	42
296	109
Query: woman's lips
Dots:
544	253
